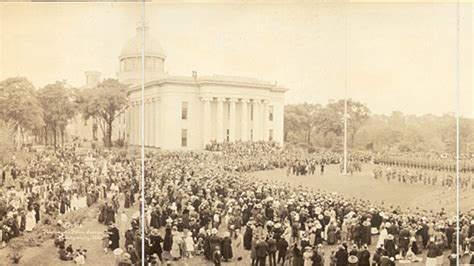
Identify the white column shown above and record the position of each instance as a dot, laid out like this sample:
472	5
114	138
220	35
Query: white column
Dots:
152	122
139	123
244	119
136	124
128	125
157	113
206	121
133	124
265	120
220	120
232	120
257	120
147	122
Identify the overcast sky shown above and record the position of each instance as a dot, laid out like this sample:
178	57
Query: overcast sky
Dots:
395	56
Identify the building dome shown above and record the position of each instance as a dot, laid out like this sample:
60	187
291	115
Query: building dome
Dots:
130	59
133	47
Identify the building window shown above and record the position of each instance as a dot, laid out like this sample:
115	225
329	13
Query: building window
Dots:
270	113
251	134
184	110
228	135
184	137
251	112
270	135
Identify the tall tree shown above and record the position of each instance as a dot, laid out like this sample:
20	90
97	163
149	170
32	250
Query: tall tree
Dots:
19	107
357	114
301	118
6	145
59	107
105	104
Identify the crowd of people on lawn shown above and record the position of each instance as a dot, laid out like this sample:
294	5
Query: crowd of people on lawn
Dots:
53	183
205	205
197	204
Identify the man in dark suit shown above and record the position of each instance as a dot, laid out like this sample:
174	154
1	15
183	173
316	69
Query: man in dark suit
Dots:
364	256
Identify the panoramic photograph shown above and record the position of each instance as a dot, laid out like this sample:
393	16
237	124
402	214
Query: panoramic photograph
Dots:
181	133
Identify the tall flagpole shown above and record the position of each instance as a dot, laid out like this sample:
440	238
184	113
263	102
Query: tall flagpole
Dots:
345	89
458	95
345	133
143	136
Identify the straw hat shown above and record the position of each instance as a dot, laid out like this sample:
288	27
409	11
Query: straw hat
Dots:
353	259
118	251
154	232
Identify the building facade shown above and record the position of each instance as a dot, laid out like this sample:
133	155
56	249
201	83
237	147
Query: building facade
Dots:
187	113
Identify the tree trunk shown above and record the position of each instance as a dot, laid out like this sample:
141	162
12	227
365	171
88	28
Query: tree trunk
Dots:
54	137
109	133
352	139
62	137
45	136
309	136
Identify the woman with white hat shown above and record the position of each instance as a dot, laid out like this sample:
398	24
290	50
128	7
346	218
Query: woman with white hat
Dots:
175	246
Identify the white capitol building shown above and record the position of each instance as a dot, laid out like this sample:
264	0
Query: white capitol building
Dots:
189	112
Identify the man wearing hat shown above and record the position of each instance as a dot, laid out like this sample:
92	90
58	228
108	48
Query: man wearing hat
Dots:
155	243
390	246
261	250
341	256
364	256
214	241
114	236
125	260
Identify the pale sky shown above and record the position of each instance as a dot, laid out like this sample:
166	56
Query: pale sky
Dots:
399	56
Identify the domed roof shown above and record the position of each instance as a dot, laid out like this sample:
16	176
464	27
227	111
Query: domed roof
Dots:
134	48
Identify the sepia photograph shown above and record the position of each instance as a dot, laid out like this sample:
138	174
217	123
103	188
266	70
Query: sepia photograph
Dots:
236	133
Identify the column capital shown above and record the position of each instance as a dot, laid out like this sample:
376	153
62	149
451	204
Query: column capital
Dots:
245	100
233	100
206	99
220	99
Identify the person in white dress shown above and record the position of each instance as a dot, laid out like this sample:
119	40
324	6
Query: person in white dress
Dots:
30	220
189	244
74	202
383	234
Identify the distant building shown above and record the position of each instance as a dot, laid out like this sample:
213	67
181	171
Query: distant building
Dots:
186	113
90	129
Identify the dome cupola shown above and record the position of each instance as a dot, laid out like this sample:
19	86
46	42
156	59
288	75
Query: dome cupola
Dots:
131	58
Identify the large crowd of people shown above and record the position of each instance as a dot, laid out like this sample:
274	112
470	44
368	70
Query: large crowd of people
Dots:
204	205
54	183
198	204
